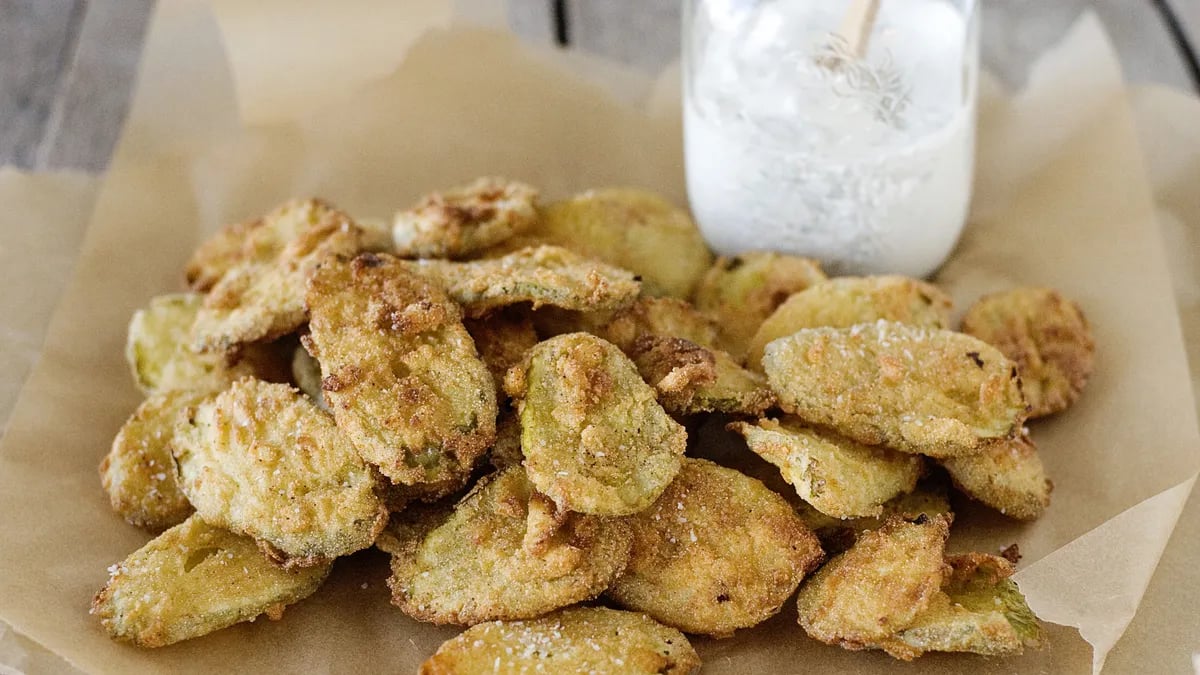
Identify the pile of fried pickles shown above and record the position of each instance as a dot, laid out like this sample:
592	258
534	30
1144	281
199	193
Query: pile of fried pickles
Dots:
577	434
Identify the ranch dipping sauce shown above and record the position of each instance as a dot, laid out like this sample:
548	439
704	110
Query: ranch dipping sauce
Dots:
794	144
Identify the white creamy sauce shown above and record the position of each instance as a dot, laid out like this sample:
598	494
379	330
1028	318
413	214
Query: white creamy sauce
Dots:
866	167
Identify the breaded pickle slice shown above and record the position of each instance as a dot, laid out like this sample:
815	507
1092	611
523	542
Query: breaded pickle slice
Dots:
846	301
262	460
930	498
263	297
158	349
503	552
716	552
861	598
837	476
502	339
1046	335
464	220
663	317
980	610
691	379
401	373
919	390
138	473
192	580
543	275
594	437
1007	475
593	640
306	373
634	229
741	291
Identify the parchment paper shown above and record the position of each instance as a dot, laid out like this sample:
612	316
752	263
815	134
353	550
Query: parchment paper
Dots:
1061	198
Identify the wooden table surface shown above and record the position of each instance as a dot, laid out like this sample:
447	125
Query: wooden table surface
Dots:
67	67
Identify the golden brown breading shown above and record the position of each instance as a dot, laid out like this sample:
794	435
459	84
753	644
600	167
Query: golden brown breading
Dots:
837	476
138	473
159	352
690	379
979	611
502	339
846	301
631	228
927	391
262	460
494	556
401	374
398	496
506	451
1046	335
594	437
546	275
1005	474
192	580
464	220
376	235
716	552
666	317
861	598
741	291
594	640
263	298
306	373
930	497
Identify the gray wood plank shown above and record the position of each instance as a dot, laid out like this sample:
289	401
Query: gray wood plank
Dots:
37	38
90	110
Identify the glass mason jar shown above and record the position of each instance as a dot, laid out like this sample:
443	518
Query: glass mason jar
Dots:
794	143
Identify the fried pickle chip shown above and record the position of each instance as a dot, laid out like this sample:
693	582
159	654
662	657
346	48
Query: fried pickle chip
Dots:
504	552
594	437
834	474
593	640
306	373
376	235
506	451
263	297
846	301
464	220
401	373
666	317
716	552
138	473
690	379
634	229
930	498
192	580
980	610
861	598
159	352
742	291
545	275
1046	335
502	339
262	460
926	391
1005	474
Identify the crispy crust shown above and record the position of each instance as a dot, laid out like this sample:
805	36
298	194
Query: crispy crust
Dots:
139	474
502	339
543	275
401	373
631	228
846	301
837	476
471	564
1046	335
594	437
1007	475
194	579
691	379
862	597
262	298
741	291
716	552
464	220
923	391
579	640
239	466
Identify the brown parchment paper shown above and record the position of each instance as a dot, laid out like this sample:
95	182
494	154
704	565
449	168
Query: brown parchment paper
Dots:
1061	198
